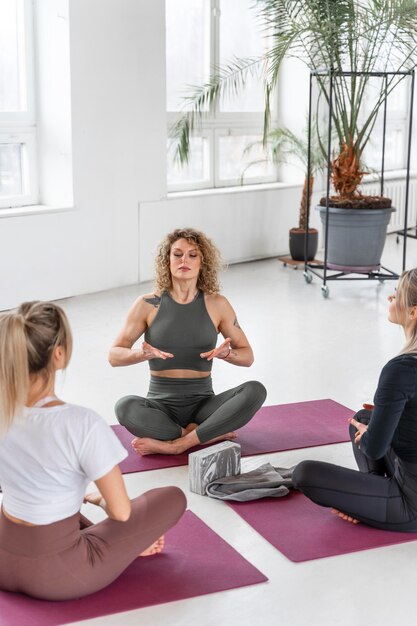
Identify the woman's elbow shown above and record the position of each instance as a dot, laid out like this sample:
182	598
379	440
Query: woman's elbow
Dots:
374	454
121	517
122	514
250	359
111	359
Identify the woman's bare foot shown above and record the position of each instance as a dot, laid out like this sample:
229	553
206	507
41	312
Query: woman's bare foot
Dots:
155	548
189	429
145	445
225	437
346	517
94	497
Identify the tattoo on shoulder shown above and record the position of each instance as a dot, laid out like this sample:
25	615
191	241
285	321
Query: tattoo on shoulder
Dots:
236	323
155	301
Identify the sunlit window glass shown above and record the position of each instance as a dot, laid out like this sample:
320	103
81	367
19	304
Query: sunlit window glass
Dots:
10	170
187	51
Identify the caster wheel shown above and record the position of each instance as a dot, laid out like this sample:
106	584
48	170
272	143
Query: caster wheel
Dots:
307	277
284	264
325	291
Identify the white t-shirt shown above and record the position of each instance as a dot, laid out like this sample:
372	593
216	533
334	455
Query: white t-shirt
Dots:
48	457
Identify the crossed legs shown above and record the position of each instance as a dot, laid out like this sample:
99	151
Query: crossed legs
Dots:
371	495
215	418
71	563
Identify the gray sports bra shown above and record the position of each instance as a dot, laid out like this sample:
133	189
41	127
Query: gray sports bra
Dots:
185	330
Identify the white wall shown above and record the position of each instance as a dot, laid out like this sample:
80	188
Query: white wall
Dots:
245	225
117	84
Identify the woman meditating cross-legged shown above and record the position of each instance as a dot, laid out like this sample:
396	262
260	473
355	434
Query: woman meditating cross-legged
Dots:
49	452
384	492
181	321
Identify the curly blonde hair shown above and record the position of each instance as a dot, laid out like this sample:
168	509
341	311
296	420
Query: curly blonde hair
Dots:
211	262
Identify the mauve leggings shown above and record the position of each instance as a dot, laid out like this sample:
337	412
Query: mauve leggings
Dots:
382	494
173	403
59	561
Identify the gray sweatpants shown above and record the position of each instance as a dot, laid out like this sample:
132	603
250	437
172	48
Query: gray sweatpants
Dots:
172	404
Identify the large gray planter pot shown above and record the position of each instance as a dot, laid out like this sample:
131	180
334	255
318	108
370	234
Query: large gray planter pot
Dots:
356	237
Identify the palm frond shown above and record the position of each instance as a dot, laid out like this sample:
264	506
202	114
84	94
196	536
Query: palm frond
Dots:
226	81
357	36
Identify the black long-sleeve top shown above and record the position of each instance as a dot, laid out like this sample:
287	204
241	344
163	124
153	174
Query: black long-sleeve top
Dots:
394	418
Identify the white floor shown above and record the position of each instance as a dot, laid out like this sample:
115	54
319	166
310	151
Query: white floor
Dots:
306	348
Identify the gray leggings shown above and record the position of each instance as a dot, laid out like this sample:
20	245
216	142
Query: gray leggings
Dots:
59	561
174	403
382	494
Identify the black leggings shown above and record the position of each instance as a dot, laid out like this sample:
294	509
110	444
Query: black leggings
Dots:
382	494
172	404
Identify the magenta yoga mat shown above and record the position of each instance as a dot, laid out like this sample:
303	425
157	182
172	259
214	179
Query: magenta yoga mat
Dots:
304	531
272	429
195	562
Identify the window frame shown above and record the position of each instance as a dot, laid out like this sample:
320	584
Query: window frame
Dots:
19	127
222	123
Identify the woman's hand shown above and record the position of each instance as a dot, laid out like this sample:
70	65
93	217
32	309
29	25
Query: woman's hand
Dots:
360	429
150	352
222	352
95	498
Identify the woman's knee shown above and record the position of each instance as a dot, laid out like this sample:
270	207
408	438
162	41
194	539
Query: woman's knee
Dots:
256	391
166	502
363	416
177	499
302	474
124	408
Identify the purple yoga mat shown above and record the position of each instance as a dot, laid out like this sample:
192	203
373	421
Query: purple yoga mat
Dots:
304	531
195	562
272	429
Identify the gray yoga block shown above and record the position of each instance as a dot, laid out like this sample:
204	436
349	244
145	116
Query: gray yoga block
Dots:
214	462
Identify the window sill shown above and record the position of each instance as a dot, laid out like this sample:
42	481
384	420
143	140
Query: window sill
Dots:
33	209
217	191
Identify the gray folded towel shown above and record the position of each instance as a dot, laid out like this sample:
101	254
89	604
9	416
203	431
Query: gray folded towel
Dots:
265	481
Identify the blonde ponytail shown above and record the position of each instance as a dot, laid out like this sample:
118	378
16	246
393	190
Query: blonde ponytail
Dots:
14	370
28	338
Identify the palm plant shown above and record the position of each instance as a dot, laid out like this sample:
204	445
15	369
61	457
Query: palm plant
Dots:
357	36
285	147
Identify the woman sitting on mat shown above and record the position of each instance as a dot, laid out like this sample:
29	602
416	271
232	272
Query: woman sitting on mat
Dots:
383	493
49	452
181	321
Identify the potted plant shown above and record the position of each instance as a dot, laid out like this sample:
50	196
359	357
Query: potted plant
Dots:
285	147
345	36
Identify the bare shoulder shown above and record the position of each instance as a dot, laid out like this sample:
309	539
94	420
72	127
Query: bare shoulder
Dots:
139	317
216	300
145	302
219	308
152	299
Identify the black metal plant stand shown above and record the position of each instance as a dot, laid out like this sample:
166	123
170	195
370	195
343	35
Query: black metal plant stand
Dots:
322	270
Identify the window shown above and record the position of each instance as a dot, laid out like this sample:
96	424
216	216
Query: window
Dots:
18	177
397	119
202	34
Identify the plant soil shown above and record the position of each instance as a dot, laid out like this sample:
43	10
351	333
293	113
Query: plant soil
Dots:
300	231
358	202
